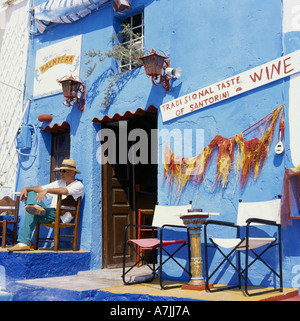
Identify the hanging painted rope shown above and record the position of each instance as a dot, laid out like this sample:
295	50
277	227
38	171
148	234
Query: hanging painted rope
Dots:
251	155
255	151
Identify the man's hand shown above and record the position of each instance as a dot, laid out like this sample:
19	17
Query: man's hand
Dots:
40	195
23	194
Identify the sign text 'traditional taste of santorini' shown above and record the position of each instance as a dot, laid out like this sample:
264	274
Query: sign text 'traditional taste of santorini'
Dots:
274	70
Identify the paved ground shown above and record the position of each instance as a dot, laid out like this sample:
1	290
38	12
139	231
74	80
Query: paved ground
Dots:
86	280
110	280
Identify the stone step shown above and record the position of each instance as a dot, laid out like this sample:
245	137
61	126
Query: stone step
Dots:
85	285
41	263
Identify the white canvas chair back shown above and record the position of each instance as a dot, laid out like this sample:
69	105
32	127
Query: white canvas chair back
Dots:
164	214
268	210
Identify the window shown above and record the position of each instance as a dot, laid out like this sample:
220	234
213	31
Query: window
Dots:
59	151
133	39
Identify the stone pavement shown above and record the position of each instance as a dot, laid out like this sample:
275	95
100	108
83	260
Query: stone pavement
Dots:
108	285
86	280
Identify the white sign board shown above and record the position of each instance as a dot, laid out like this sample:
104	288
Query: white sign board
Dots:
54	62
276	69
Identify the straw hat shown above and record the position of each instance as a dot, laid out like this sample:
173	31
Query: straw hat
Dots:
68	164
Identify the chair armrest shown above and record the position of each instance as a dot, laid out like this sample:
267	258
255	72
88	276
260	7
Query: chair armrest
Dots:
216	222
171	225
175	226
221	223
261	221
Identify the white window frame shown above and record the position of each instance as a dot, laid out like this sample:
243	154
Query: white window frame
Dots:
139	41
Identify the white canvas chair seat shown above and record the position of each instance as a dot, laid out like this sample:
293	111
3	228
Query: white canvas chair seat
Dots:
260	214
164	217
254	242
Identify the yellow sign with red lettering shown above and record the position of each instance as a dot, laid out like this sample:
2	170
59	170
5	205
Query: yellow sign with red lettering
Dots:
56	61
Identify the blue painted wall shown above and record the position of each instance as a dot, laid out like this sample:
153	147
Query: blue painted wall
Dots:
210	41
226	38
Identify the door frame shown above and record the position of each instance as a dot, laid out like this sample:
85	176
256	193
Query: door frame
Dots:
106	199
106	186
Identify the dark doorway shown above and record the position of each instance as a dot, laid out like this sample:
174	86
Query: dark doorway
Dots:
126	187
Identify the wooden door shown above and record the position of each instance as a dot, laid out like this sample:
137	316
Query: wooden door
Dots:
117	210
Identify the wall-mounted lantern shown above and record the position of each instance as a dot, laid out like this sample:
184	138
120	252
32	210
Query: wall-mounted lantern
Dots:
71	88
154	64
121	5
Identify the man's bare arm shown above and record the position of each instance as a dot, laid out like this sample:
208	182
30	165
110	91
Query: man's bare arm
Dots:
25	190
58	190
42	192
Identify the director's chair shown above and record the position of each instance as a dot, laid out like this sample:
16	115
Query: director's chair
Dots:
164	219
260	214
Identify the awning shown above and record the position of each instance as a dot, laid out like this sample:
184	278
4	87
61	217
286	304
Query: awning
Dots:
57	128
69	11
127	115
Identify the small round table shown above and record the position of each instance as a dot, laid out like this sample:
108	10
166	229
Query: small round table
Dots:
194	219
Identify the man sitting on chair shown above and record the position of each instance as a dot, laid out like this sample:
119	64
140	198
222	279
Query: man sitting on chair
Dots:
36	209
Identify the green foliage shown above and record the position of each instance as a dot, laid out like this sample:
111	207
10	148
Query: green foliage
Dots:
93	55
126	54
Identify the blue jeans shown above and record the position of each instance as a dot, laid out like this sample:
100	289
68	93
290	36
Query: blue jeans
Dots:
30	221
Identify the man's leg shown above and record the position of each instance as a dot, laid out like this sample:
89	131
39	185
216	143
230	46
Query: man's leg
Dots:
32	201
33	206
30	221
29	224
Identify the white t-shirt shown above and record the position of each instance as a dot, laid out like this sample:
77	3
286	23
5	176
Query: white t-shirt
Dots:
75	189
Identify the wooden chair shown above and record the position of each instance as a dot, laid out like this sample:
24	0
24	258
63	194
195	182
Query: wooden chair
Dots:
10	208
66	205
